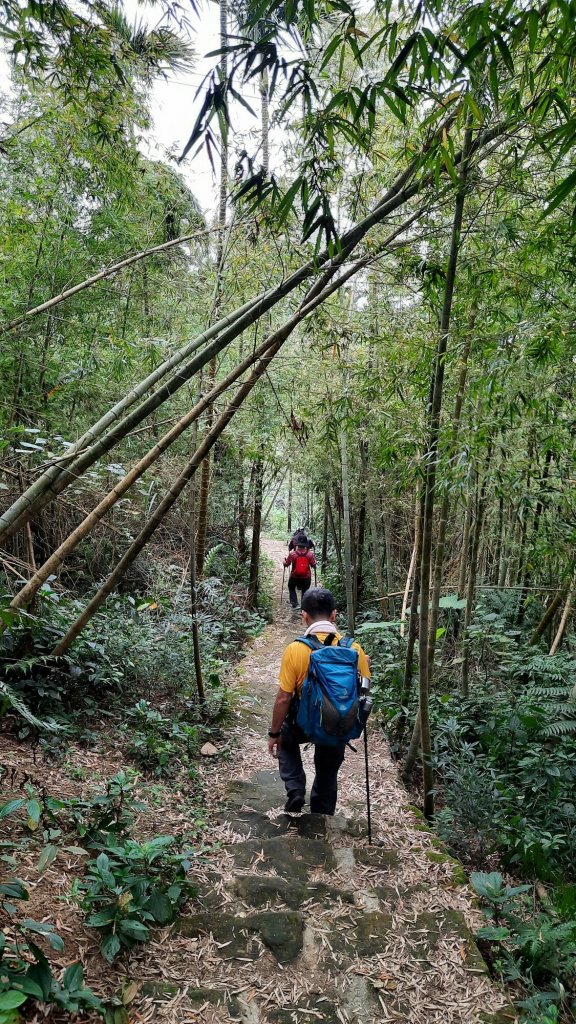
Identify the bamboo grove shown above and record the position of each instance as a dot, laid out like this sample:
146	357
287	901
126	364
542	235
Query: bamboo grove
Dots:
379	337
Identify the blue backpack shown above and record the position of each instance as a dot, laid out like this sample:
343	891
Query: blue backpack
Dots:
330	711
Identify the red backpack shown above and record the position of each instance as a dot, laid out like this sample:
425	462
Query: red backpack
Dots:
301	566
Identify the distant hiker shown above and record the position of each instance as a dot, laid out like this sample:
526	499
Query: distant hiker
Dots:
300	537
285	736
301	562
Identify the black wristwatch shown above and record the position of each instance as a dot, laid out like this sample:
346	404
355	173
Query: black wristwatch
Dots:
273	735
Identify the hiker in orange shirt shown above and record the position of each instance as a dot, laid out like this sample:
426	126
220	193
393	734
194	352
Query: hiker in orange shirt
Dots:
285	736
302	561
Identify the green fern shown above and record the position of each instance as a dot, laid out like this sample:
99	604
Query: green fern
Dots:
558	707
211	558
9	697
563	727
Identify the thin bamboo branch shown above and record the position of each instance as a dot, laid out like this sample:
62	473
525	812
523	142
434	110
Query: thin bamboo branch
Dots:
114	268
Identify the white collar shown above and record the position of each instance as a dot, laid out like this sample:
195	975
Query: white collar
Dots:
323	626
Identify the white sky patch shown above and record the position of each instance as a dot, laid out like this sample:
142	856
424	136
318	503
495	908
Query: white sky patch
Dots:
175	104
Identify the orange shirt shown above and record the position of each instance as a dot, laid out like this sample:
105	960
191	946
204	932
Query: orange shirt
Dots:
296	659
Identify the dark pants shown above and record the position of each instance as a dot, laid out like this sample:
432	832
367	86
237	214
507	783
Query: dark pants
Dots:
327	761
298	583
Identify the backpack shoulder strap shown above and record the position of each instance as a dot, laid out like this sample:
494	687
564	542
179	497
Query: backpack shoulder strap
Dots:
310	641
346	641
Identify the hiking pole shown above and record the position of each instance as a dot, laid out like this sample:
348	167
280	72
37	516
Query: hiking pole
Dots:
315	583
367	784
282	591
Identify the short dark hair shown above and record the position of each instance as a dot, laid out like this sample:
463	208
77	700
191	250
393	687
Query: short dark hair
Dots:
318	602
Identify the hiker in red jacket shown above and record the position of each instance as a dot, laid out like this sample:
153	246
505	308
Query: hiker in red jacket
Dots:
302	562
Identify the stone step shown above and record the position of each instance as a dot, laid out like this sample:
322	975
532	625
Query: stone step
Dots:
361	934
248	805
266	890
236	936
290	856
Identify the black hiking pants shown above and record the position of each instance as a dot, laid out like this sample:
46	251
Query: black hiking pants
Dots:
301	583
327	761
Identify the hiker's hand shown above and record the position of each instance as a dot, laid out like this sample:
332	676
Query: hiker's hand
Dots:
274	745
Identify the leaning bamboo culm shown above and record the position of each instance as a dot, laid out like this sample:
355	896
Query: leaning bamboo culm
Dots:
274	343
53	563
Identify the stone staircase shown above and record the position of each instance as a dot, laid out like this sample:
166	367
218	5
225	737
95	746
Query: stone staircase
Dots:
298	920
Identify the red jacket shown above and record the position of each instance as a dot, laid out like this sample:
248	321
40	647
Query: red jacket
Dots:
291	560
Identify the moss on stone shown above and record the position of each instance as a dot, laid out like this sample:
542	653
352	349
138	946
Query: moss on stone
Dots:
160	991
417	814
377	857
281	933
459	876
290	856
506	1015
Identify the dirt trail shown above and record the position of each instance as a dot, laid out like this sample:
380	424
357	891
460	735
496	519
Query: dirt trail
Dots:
298	920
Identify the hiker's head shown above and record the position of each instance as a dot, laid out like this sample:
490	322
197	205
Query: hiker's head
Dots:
318	603
301	547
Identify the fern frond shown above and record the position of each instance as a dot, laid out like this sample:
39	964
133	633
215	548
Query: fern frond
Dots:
210	559
18	705
550	691
561	728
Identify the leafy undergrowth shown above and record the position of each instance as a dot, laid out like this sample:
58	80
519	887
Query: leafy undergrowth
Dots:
505	765
102	797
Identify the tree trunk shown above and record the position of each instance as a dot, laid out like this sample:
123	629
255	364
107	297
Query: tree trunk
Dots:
553	606
324	555
473	571
242	518
464	558
389	563
534	536
289	505
256	529
348	569
358	579
337	547
430	483
443	523
412	630
565	616
216	305
194	601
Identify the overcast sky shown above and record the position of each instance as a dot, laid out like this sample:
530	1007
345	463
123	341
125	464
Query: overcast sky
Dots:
175	105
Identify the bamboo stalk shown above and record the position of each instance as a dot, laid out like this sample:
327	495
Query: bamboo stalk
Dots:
430	480
114	268
565	616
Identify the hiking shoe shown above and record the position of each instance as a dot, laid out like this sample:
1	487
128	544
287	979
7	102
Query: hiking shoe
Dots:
295	802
